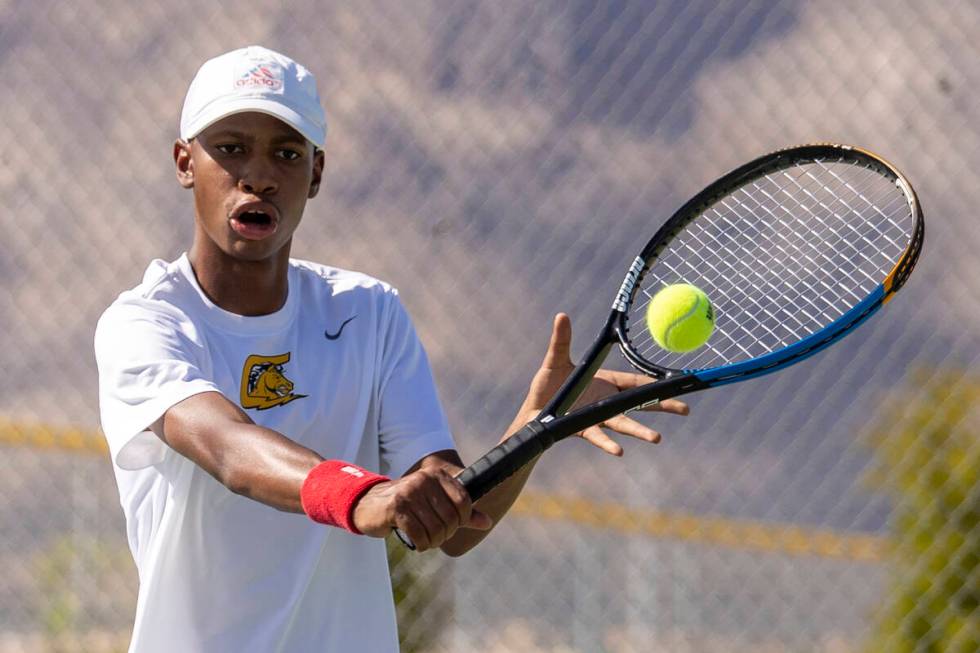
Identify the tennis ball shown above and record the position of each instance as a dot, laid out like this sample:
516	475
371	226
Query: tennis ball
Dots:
680	318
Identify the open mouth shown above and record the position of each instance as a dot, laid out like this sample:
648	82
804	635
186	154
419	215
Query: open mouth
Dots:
254	224
255	218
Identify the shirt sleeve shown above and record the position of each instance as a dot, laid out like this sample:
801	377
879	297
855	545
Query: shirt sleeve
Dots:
412	423
148	361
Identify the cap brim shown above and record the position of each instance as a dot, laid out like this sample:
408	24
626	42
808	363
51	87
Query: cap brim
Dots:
309	130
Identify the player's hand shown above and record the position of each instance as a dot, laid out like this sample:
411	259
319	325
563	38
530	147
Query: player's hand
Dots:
556	367
428	506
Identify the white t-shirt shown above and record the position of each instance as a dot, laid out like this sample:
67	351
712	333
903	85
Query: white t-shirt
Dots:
338	369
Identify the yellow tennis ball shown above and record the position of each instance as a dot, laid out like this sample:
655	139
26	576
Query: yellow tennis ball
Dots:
680	318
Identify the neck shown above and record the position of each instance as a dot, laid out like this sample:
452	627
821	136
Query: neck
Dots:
242	287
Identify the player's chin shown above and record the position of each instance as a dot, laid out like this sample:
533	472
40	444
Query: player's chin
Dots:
245	249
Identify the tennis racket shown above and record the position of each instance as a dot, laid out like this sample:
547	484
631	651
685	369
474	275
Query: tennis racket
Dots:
795	250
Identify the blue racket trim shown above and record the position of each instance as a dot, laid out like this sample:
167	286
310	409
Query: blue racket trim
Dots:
805	348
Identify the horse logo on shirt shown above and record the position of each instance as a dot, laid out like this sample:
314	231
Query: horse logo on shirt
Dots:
264	382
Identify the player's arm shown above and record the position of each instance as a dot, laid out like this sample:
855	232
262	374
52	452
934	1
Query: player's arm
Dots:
265	465
248	459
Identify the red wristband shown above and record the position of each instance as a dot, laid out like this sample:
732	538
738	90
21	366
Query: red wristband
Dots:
332	488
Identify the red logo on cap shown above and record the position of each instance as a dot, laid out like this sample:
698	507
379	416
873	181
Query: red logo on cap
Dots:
261	76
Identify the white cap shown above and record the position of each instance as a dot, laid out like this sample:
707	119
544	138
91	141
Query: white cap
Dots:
254	79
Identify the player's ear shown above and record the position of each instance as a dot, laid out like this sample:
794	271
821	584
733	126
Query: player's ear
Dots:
184	164
317	173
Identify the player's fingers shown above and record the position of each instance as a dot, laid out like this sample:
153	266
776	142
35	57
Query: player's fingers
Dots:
456	495
461	502
596	436
445	511
449	502
432	524
673	406
627	380
629	426
559	349
624	380
421	523
410	525
480	521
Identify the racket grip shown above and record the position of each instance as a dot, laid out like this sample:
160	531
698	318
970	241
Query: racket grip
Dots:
506	458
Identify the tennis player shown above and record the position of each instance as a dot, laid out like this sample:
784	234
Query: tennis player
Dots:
240	388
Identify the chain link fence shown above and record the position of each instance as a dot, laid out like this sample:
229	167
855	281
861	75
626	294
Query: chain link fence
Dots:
493	161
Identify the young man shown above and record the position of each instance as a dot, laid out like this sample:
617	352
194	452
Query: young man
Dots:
239	387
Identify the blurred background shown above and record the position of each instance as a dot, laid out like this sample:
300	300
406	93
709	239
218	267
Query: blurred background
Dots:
499	162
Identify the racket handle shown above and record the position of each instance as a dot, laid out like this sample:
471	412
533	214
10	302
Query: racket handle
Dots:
506	458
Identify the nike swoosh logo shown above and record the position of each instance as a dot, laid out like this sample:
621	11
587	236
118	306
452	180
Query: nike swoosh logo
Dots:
334	336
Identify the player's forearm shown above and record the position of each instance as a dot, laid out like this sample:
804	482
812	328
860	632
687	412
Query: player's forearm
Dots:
248	459
495	504
498	501
268	468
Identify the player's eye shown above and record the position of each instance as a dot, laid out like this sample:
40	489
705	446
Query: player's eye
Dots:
288	154
229	148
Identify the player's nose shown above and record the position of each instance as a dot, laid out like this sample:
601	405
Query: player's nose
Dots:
258	178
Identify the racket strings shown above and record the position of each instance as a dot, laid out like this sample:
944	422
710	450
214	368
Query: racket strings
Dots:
808	312
820	233
896	197
766	288
766	285
780	258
